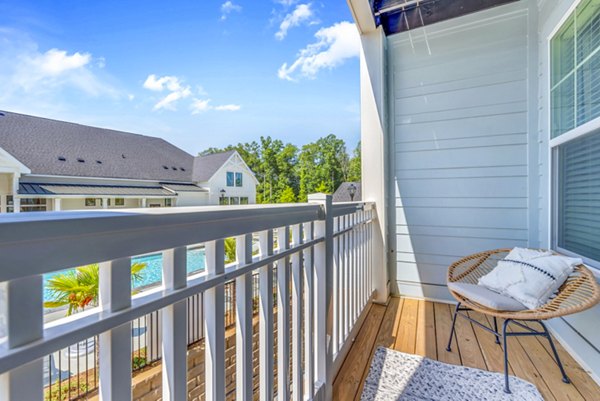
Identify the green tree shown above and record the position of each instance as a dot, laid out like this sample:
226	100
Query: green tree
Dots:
354	168
78	288
287	195
230	250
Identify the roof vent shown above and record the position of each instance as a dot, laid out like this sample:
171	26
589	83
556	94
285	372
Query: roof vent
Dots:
165	167
98	161
123	156
80	160
181	168
2	114
62	158
174	168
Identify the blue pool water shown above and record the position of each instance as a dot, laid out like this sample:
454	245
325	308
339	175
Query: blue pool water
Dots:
152	274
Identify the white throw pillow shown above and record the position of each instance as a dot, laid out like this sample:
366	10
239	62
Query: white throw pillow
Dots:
529	276
486	297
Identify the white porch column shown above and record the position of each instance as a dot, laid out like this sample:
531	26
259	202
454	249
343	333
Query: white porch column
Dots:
104	203
15	191
143	202
3	203
374	150
57	204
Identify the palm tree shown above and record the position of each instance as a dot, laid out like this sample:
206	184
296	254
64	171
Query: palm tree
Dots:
78	288
230	246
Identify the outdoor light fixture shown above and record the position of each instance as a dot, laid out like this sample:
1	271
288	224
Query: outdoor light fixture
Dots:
352	191
222	193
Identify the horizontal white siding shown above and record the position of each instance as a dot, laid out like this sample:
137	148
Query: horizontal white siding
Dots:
459	129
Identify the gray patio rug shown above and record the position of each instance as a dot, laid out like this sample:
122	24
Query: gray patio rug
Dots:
402	377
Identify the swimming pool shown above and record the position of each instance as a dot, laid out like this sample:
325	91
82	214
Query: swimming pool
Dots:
152	274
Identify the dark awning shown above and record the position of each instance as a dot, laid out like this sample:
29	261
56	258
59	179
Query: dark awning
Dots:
403	15
41	189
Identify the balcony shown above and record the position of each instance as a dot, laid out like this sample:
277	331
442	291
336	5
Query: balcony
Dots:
421	327
278	321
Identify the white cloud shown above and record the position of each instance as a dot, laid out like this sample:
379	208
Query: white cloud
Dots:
302	13
334	45
203	105
31	78
168	83
228	7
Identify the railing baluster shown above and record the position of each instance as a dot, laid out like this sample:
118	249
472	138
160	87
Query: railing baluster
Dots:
309	297
21	312
347	276
115	344
266	344
297	316
243	331
214	325
283	317
336	289
174	328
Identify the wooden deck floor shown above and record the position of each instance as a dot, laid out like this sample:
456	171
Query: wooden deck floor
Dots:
421	327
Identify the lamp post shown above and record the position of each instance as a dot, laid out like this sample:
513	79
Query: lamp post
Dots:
222	196
352	191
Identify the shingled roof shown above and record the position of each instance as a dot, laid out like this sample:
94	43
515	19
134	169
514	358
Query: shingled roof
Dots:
50	147
206	166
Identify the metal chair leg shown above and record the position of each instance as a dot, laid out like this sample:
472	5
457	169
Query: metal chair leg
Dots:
496	330
449	348
565	378
505	338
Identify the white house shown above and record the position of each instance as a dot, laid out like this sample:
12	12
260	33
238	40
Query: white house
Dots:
54	165
481	130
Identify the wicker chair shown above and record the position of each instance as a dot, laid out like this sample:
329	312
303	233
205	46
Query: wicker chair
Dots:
578	293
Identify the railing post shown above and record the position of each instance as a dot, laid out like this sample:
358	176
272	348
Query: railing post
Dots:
21	321
115	344
243	321
297	316
174	328
323	287
214	325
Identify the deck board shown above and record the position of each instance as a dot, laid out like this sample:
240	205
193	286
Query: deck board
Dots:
422	327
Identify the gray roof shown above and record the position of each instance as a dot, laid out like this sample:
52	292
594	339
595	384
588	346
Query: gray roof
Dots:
92	190
206	166
343	195
38	143
179	187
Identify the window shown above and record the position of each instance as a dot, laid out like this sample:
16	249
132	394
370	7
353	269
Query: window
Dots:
90	202
244	200
230	179
10	204
234	200
223	200
238	179
575	101
575	60
119	201
33	205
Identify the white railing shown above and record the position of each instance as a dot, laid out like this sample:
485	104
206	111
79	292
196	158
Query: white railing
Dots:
322	266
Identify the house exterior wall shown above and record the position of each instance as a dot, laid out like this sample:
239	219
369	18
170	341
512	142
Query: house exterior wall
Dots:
219	181
469	149
459	140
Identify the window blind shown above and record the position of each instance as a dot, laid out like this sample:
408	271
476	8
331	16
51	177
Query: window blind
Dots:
579	196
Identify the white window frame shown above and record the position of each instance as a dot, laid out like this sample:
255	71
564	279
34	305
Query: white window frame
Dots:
590	127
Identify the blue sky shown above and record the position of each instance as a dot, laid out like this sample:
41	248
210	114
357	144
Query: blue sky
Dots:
198	73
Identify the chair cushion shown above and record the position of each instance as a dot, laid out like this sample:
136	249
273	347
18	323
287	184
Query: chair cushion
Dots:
486	297
529	276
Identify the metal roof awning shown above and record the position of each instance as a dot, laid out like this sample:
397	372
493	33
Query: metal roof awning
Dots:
179	187
49	190
403	15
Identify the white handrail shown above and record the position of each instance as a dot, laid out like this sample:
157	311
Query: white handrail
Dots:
34	244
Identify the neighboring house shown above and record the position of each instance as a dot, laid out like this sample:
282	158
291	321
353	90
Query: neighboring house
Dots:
348	192
480	129
54	165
